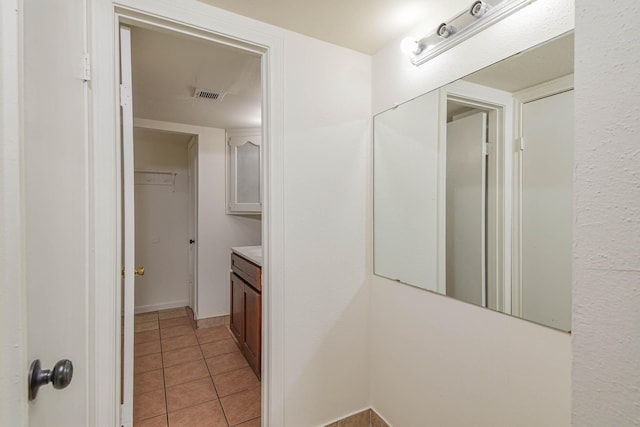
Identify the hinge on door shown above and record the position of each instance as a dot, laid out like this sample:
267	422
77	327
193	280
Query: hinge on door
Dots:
85	67
125	414
125	95
521	141
485	148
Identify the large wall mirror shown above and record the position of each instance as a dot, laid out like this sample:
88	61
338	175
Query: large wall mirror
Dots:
473	187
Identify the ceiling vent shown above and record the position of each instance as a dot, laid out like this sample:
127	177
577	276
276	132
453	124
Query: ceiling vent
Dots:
208	94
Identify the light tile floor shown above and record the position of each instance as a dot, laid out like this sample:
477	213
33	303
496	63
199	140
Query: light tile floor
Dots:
187	377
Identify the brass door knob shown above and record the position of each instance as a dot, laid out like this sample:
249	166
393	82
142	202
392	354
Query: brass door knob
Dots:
139	271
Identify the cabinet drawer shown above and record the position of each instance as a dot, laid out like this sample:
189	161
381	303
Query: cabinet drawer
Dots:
248	271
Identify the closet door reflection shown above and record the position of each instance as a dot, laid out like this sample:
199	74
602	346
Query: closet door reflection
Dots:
547	212
465	209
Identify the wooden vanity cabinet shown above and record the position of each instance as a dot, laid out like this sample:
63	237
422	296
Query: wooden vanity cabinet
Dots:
252	345
246	309
237	308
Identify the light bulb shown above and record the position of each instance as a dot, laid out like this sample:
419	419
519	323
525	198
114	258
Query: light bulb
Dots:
410	46
478	9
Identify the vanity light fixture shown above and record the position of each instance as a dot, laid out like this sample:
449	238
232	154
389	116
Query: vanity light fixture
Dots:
481	14
445	30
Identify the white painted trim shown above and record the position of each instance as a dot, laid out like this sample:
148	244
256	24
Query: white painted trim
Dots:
193	219
202	19
104	230
501	103
533	93
162	306
128	222
244	132
13	309
552	87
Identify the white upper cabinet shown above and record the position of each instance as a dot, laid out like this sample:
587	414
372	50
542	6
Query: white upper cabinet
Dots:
244	189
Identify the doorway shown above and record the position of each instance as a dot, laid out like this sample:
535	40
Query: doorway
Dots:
174	355
475	207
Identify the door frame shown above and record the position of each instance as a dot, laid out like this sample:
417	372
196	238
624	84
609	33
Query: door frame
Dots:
13	309
499	107
214	24
192	150
489	122
543	90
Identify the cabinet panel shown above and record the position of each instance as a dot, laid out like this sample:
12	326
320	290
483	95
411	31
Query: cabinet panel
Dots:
237	321
253	328
248	271
243	171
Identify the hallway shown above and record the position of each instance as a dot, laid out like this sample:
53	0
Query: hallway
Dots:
190	377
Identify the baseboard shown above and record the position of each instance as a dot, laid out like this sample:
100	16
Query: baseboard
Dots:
162	306
211	322
377	420
366	418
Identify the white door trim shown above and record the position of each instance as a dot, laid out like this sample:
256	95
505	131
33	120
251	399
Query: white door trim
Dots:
128	224
543	90
207	22
192	151
499	104
13	372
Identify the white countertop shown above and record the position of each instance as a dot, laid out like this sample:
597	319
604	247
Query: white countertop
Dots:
252	253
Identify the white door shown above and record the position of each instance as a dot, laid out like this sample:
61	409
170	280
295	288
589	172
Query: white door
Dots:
466	208
547	210
128	230
193	223
56	218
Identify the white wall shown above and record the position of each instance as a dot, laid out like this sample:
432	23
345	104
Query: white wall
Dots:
327	121
442	362
162	222
217	232
606	269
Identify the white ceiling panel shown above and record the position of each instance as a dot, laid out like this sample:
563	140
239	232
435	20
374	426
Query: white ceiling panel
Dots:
168	68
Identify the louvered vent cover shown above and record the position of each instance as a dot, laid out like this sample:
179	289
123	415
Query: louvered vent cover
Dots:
207	94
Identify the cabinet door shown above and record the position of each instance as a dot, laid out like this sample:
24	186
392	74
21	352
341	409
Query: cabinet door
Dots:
253	327
243	184
237	324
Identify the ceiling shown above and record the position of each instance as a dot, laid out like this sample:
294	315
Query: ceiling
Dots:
168	67
362	25
539	64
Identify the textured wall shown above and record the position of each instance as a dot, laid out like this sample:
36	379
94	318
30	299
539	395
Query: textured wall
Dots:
606	288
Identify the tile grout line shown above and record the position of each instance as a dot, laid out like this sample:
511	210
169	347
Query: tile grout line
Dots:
224	413
210	375
164	381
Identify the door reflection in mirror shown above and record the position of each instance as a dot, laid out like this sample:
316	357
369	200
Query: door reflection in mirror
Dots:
473	187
